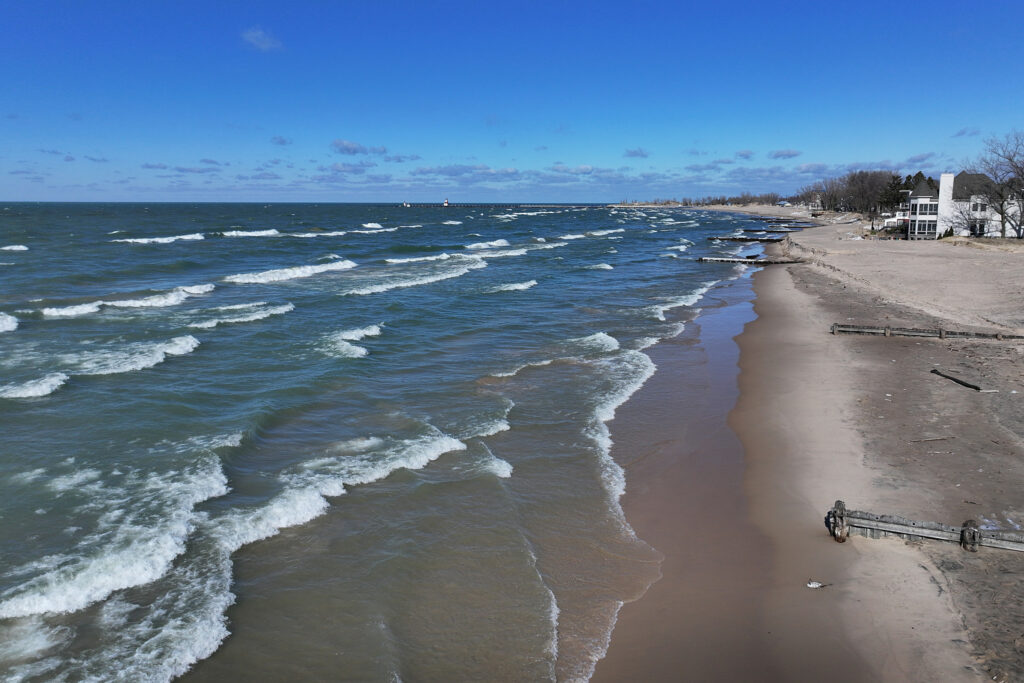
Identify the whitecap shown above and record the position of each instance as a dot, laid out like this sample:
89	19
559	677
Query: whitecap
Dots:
576	236
281	274
134	551
418	259
172	298
374	231
343	349
500	468
452	223
246	318
312	482
599	341
372	225
658	310
14	247
35	388
334	233
137	356
602	233
488	245
500	253
251	233
72	311
161	240
400	283
359	333
513	287
598	266
8	323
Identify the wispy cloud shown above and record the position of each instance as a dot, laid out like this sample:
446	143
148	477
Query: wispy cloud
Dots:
402	158
158	167
784	153
197	169
260	39
540	148
694	152
346	168
264	175
98	160
745	154
281	140
966	133
352	148
56	152
212	162
639	153
919	158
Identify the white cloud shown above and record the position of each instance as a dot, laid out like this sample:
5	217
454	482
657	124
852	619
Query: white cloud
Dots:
260	39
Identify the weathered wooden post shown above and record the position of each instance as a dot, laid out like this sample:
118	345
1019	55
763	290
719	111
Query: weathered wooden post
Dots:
942	333
888	331
970	536
837	525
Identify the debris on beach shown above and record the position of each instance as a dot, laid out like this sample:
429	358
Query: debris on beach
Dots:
811	583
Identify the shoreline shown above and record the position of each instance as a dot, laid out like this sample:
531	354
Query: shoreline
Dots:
815	428
684	496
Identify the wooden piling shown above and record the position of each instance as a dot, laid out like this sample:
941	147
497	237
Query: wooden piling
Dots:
841	523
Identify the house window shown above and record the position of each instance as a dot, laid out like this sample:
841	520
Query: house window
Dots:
922	229
930	209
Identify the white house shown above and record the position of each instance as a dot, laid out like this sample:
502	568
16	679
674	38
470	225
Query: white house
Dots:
958	203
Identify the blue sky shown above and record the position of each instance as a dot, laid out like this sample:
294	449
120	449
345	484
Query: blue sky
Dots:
491	101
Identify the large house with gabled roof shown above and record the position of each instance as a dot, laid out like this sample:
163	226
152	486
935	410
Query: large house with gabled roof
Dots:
956	204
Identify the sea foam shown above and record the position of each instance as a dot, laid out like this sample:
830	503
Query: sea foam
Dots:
133	551
14	247
8	323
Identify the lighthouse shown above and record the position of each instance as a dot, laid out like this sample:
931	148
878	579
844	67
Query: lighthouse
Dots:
445	201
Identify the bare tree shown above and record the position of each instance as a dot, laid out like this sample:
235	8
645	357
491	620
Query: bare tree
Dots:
1003	163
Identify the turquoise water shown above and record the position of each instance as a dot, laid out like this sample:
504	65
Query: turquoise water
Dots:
371	434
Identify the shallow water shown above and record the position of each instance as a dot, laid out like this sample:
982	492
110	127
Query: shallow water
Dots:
356	439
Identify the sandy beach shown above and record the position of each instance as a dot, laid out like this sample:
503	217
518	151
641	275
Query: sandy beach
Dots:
819	417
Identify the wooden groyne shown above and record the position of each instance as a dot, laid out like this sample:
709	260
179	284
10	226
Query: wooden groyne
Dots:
748	261
772	230
887	331
842	522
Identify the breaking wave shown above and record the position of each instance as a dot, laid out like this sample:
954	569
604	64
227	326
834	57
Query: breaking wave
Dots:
161	240
281	274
